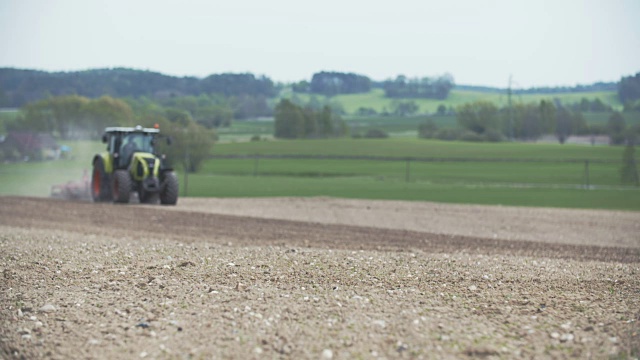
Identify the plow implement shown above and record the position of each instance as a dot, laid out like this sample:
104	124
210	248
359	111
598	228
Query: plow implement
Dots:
73	190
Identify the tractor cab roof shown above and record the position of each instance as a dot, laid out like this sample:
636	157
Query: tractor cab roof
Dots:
138	129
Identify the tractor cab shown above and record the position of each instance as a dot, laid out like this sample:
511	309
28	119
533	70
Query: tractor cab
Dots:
123	142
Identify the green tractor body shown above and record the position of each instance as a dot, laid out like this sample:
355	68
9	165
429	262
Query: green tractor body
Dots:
130	165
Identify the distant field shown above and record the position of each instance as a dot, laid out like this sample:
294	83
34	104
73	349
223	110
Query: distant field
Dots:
542	182
36	178
402	148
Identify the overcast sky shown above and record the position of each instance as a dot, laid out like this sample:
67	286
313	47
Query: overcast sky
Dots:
539	43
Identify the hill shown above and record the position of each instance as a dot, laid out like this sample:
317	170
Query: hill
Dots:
20	86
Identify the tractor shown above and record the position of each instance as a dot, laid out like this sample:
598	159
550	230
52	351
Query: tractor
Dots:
131	165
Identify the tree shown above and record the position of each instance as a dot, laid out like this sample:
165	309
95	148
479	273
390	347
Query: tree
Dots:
563	124
191	142
295	122
404	108
107	111
333	83
289	120
629	89
629	170
427	130
430	88
547	116
74	117
616	127
478	117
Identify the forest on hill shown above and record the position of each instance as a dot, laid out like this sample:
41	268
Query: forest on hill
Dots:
21	86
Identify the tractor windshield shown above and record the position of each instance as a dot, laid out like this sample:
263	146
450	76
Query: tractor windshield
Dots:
132	143
136	142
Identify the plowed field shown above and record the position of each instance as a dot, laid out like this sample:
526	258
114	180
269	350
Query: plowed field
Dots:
316	278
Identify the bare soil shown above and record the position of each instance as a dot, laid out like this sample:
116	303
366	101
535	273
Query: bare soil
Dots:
316	278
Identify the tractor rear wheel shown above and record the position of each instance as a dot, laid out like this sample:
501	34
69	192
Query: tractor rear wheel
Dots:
169	192
121	186
100	189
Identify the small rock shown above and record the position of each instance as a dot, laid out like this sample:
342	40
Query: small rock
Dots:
241	287
327	354
24	331
380	323
566	337
48	308
258	350
473	288
20	314
554	335
613	339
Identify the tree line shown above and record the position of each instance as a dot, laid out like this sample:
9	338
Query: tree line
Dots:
335	83
629	92
76	117
484	121
429	88
19	87
292	121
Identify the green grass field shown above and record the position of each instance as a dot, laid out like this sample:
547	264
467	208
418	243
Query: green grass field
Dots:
402	148
370	188
535	177
36	178
543	183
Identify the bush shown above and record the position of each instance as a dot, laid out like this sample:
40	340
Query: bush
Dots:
471	136
376	134
255	138
448	134
427	130
493	136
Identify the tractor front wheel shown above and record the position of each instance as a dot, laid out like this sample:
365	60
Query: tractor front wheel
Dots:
169	192
121	186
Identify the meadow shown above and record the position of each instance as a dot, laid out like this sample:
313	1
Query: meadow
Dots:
428	170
